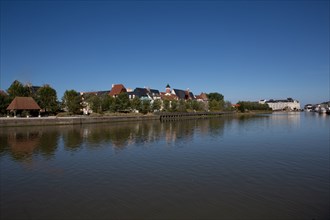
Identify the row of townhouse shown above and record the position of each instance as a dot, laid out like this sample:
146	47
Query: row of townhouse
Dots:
147	94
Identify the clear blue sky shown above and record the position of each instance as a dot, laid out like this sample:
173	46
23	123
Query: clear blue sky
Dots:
245	50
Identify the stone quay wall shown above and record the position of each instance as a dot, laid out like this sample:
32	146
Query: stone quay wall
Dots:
8	122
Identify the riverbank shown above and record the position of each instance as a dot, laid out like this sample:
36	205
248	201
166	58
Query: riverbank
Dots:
76	120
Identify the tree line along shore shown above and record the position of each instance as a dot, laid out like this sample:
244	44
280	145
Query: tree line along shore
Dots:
73	103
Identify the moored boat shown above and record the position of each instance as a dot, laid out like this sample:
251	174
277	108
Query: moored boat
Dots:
322	110
328	111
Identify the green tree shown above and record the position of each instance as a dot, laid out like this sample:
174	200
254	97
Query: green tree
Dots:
17	89
72	101
166	105
216	101
136	103
145	107
99	103
247	106
47	99
188	104
107	102
156	105
174	106
197	106
122	102
228	106
182	106
95	103
214	105
4	102
215	96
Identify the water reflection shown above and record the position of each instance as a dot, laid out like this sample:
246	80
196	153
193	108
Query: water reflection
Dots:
292	118
72	138
244	167
22	143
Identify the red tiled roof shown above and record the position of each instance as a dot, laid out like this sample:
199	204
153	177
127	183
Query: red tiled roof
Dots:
202	96
117	89
23	103
169	97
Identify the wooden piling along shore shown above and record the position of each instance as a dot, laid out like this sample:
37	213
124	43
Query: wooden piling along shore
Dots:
188	115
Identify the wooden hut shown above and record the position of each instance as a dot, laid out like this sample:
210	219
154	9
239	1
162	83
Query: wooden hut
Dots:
23	104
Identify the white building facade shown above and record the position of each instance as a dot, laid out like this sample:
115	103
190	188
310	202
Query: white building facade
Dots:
288	104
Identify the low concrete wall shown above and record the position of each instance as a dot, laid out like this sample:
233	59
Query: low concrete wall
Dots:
8	122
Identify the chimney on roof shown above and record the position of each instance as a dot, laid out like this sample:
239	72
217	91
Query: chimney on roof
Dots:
112	85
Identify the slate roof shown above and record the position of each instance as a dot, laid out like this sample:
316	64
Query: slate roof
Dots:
154	92
144	93
23	103
276	101
130	94
117	89
191	96
141	92
98	93
181	94
106	92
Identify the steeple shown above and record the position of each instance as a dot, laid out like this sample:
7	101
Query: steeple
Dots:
168	89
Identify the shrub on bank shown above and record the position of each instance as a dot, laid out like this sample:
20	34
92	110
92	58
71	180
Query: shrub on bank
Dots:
63	114
251	106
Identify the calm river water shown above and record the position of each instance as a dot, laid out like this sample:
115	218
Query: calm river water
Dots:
250	167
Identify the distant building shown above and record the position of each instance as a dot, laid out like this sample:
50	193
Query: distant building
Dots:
117	89
144	94
141	93
202	97
86	106
287	104
168	89
33	89
98	93
154	93
168	95
183	94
